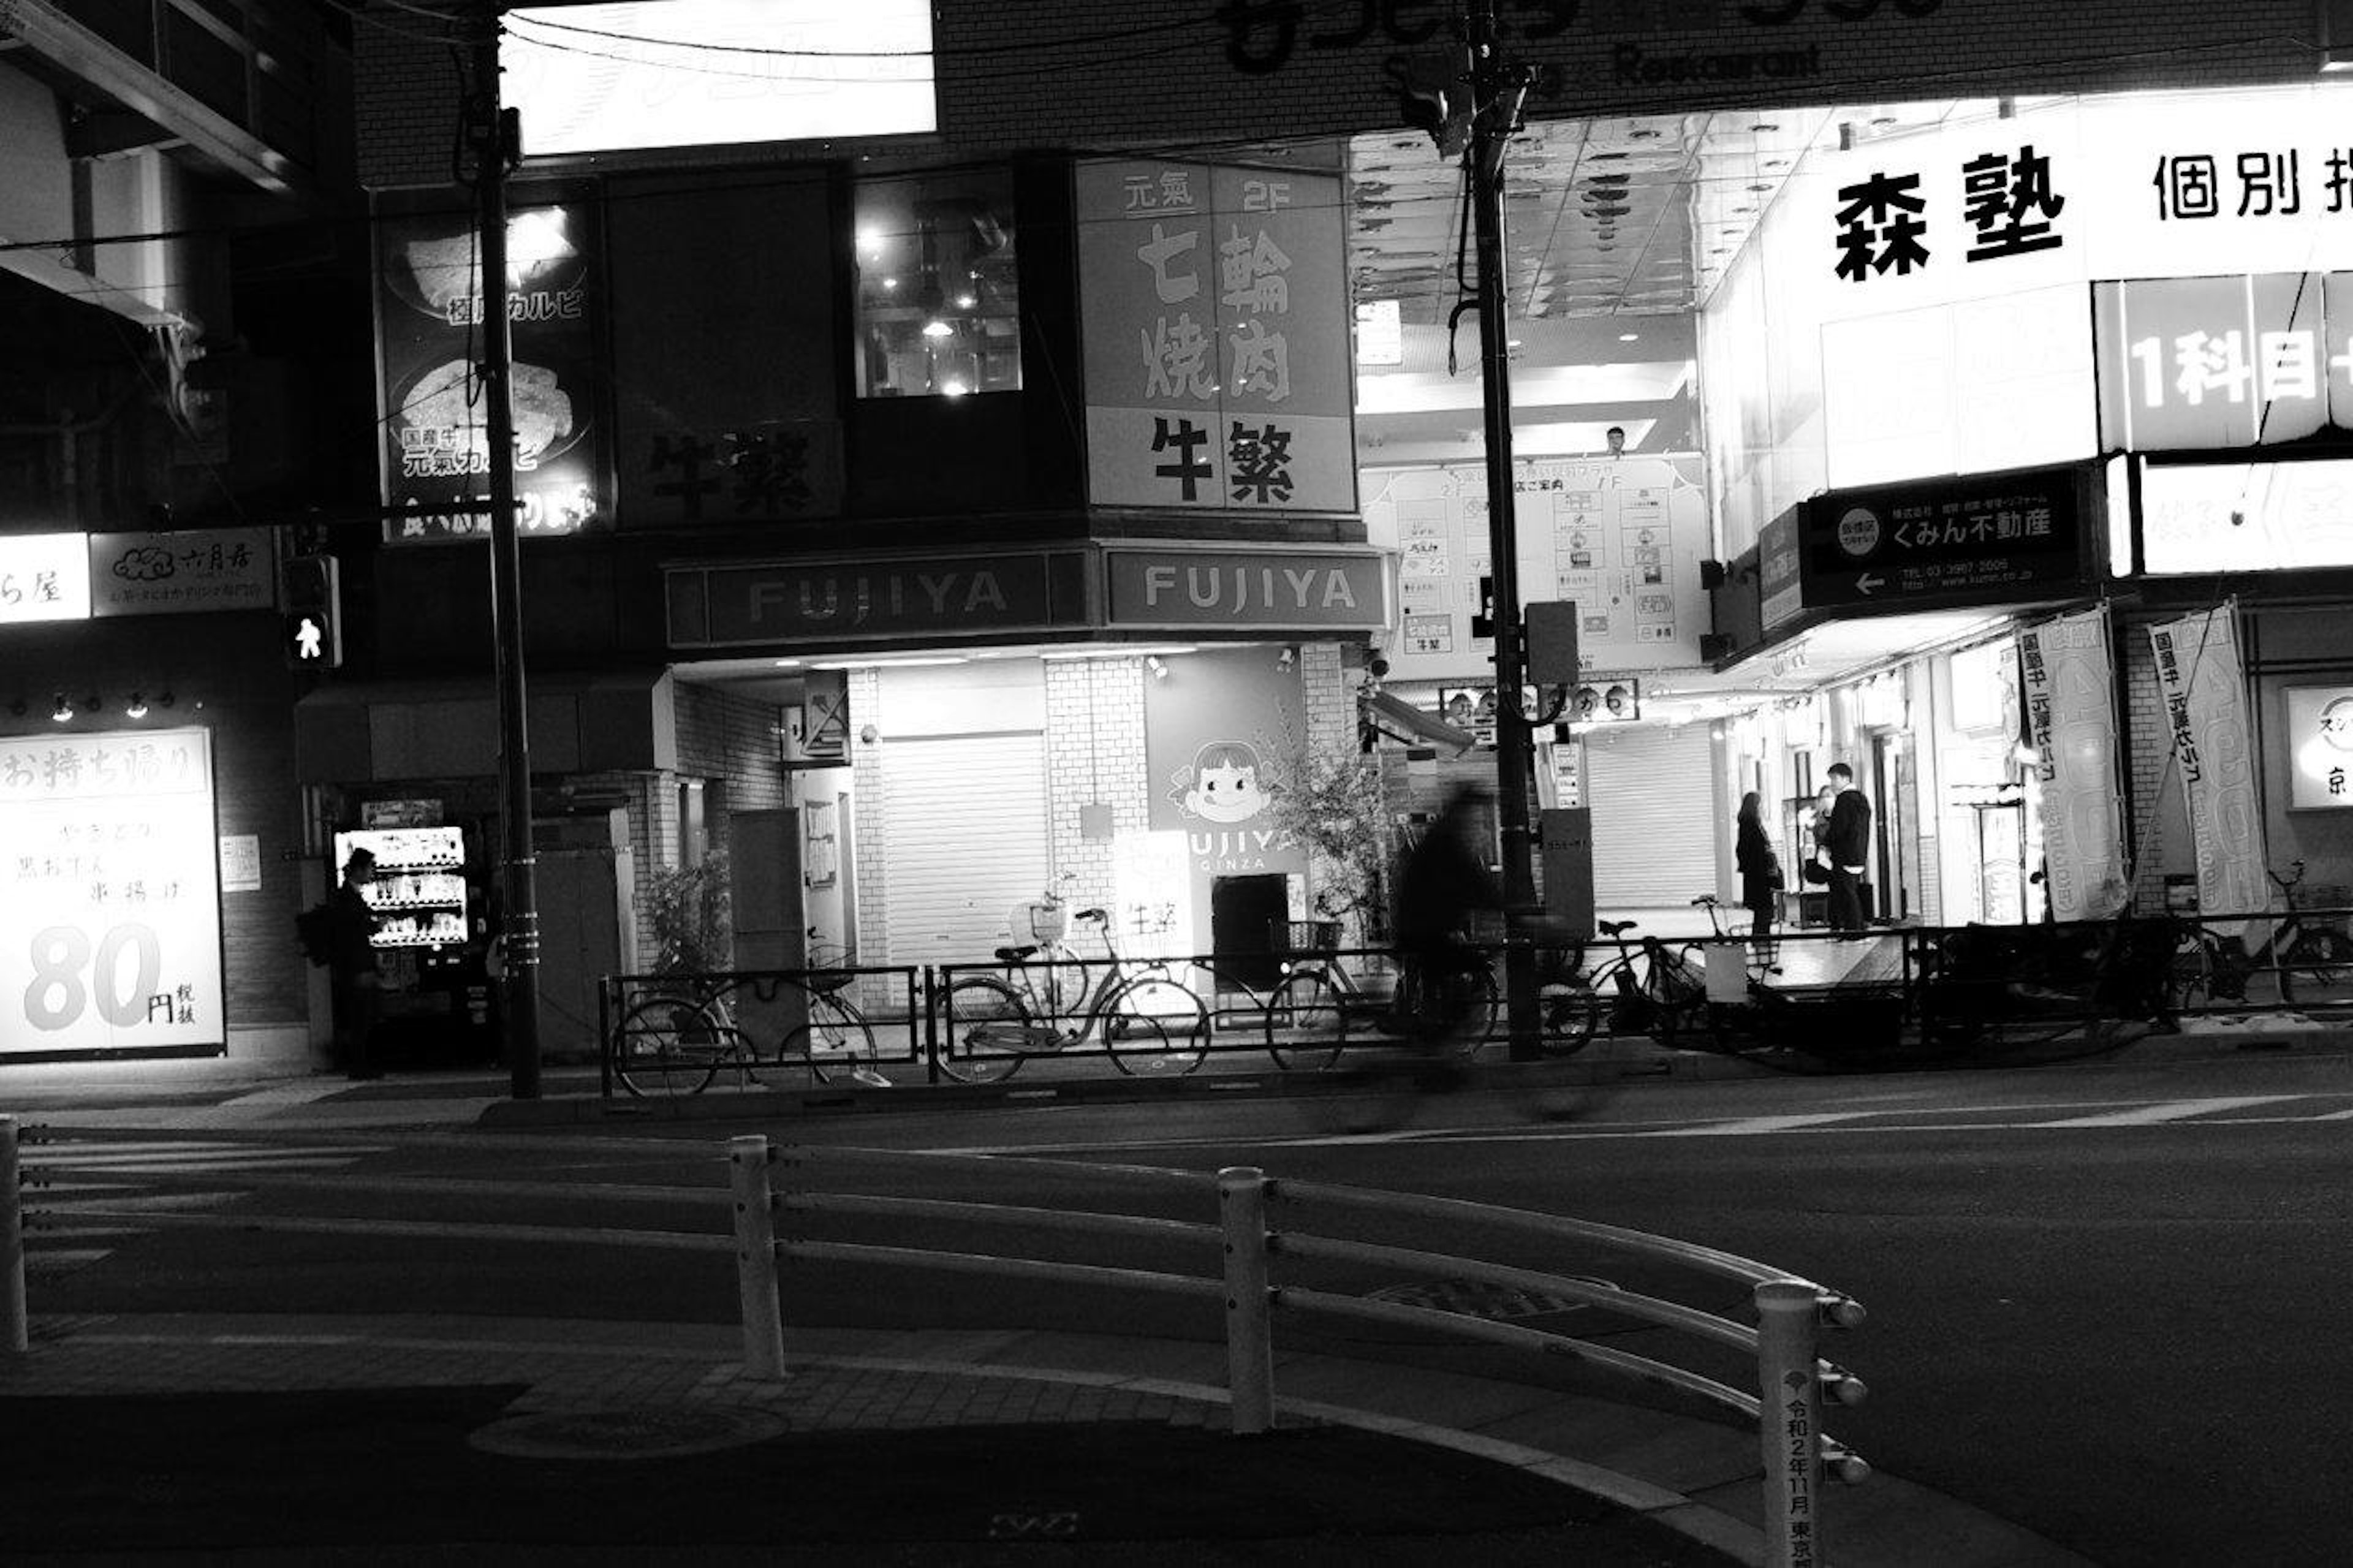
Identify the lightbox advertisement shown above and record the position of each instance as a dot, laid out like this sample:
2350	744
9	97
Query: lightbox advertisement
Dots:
109	894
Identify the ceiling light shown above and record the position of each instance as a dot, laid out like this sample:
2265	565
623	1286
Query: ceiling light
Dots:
935	328
136	707
1765	126
1152	662
63	710
789	664
1628	337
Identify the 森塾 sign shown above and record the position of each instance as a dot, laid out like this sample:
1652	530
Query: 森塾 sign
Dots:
110	893
1214	313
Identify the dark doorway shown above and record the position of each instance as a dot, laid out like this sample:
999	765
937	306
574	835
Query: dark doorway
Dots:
1242	915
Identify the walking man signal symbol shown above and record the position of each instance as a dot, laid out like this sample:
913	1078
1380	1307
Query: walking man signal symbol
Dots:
310	641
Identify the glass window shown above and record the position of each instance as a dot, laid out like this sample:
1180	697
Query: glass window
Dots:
938	307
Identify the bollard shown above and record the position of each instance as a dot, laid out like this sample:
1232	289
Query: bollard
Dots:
1250	1335
14	1334
755	1258
1789	1422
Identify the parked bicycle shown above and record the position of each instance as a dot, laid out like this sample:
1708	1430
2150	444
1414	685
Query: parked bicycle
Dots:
677	1038
1150	1023
1321	1007
2315	952
1649	986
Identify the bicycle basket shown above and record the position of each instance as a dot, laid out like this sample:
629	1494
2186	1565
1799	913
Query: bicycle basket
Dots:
1303	936
1042	918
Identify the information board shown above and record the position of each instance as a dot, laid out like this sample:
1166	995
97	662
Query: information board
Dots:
110	893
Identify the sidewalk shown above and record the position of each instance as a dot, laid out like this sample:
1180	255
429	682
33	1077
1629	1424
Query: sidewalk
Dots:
507	1439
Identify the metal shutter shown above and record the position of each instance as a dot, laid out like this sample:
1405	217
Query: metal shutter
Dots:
964	840
1653	797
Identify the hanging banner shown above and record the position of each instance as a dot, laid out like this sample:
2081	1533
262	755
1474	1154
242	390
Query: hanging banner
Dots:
2070	720
2204	690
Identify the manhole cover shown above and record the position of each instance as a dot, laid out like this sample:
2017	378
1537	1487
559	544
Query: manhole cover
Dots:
654	1432
1477	1298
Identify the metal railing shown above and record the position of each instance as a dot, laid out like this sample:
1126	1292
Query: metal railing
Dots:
1252	1232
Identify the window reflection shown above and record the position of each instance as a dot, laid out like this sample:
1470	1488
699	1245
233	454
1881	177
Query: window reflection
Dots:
938	304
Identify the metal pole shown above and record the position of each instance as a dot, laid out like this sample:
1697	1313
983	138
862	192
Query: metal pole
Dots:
1790	1421
1249	1334
755	1257
492	150
1496	92
16	1334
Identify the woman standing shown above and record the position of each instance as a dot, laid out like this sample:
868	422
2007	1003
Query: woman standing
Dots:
1760	869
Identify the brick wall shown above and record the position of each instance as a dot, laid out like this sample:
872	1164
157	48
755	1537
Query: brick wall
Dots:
1094	754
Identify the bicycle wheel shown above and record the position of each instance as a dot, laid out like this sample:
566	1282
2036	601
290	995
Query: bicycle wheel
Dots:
1156	1027
983	1026
832	1041
1675	987
1479	1002
1053	986
667	1046
1305	1028
1568	1014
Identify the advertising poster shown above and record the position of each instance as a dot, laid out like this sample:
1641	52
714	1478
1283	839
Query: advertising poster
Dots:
429	314
110	893
2070	720
1621	538
2203	687
186	572
1221	731
1214	313
2319	747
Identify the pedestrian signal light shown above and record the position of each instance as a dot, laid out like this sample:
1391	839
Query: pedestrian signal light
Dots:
313	629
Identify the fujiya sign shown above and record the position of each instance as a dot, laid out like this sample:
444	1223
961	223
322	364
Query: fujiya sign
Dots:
1267	589
829	601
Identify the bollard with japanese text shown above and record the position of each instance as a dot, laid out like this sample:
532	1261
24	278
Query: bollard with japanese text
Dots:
1790	1421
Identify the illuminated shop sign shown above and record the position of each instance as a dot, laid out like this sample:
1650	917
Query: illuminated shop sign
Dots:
2201	518
44	577
1980	539
1215	330
701	73
2207	362
2320	747
110	893
186	572
1271	590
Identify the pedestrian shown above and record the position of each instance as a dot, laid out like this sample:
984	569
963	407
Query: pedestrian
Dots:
1441	885
1760	867
1848	843
356	981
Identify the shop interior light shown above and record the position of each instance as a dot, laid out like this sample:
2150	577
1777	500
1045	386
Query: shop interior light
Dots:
936	328
1152	663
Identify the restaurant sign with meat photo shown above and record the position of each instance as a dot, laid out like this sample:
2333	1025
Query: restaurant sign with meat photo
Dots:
429	312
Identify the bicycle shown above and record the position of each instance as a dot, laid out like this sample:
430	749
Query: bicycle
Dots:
676	1040
1312	1009
2319	953
1150	1024
1649	987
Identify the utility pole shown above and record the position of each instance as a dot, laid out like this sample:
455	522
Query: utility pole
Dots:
496	137
1496	92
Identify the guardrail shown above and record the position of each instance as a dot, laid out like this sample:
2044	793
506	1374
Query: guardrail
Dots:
1248	1238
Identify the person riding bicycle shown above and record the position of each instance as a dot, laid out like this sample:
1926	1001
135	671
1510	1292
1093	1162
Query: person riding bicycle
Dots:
1443	882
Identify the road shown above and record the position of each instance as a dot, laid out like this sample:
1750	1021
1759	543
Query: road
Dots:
2107	1302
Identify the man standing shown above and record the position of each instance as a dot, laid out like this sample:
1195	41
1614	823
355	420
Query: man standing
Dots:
354	980
1848	843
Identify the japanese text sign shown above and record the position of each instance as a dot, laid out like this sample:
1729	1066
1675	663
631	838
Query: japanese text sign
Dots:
852	600
2319	747
2199	517
110	893
186	572
2206	363
429	310
44	577
1274	589
1975	539
1215	317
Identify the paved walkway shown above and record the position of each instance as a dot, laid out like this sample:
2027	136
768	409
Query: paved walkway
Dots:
483	1438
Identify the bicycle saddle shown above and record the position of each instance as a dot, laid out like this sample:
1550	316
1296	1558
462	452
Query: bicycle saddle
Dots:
1611	927
1014	954
1705	901
1090	915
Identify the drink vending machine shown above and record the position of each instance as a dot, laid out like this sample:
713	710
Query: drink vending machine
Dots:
429	936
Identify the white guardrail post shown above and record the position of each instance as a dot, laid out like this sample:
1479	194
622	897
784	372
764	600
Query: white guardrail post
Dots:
1249	1334
14	1334
1790	1421
748	1159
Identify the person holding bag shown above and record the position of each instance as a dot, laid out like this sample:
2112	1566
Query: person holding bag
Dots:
1760	867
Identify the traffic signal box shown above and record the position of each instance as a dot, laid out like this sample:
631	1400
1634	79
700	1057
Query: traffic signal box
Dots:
312	621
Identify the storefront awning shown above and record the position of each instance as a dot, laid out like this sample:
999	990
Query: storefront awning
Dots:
368	732
1408	723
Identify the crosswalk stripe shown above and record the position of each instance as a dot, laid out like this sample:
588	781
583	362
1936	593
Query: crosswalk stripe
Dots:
2171	1110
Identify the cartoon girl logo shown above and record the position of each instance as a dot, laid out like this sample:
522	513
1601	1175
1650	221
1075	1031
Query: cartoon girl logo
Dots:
1225	785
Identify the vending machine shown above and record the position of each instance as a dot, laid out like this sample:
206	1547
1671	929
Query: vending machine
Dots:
419	892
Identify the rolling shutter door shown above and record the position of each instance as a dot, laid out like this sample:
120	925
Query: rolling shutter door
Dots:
1653	797
965	840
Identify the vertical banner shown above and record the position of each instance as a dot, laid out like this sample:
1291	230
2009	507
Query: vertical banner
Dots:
110	893
2204	690
2071	719
1213	316
429	314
